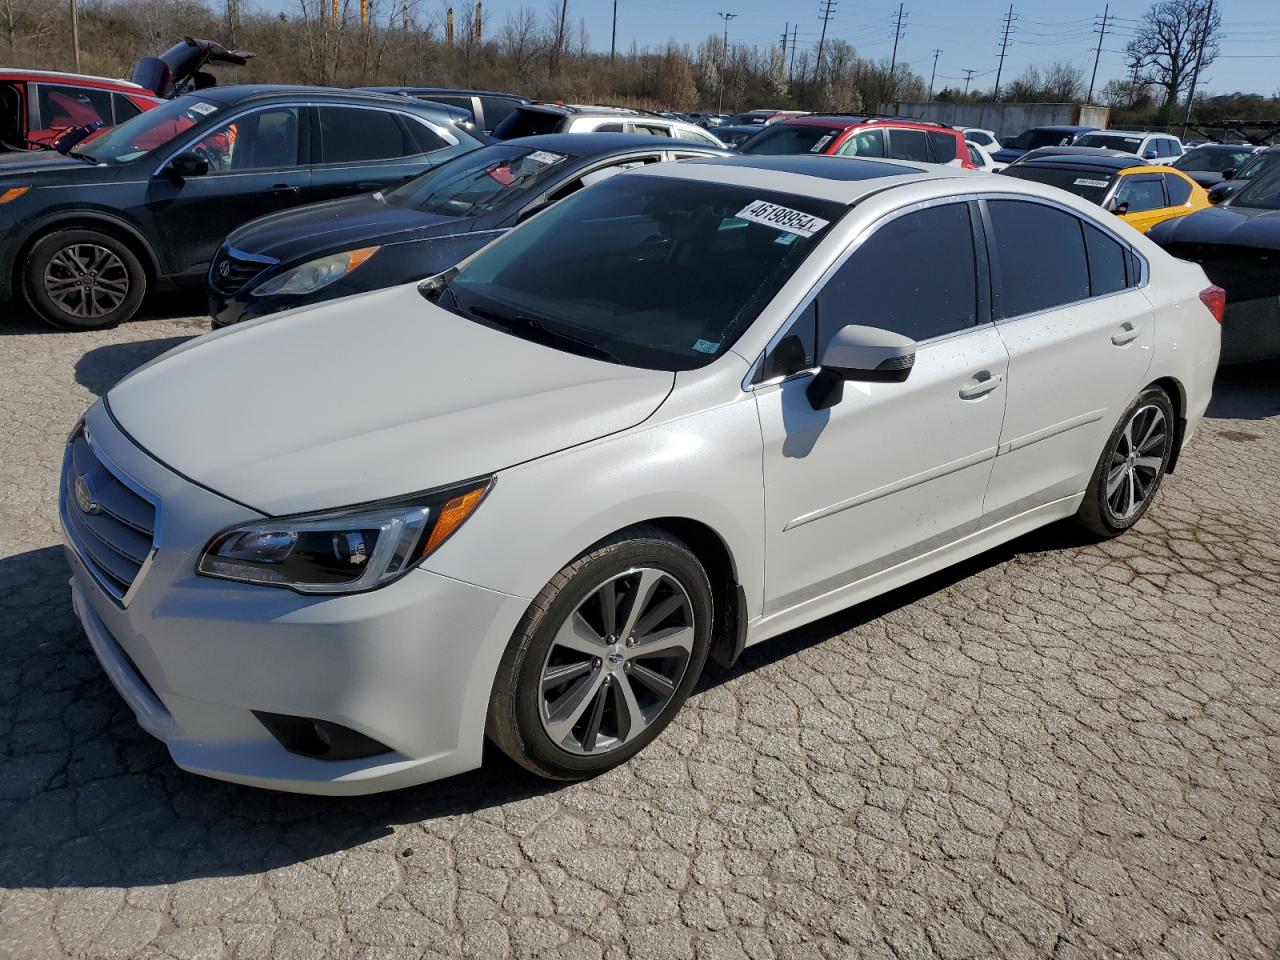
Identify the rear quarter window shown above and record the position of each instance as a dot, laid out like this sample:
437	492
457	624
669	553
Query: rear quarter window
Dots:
944	146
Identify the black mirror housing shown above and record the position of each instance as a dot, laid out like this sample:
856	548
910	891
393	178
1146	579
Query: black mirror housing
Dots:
187	165
1229	173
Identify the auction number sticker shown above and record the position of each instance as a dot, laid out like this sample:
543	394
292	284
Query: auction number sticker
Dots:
782	218
544	156
202	108
1086	182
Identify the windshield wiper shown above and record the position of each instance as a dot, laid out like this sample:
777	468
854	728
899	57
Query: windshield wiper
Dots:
522	324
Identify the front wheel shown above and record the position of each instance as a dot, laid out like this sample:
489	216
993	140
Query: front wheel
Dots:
605	657
82	278
1131	466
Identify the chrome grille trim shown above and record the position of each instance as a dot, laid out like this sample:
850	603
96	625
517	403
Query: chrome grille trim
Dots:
115	545
242	269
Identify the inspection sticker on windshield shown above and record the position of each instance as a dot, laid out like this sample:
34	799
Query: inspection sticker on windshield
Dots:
202	108
544	156
782	218
817	147
1086	182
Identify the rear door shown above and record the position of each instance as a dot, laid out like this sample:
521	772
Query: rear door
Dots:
257	165
1079	333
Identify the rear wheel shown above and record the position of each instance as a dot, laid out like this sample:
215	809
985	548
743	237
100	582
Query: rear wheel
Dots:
605	657
1131	467
83	278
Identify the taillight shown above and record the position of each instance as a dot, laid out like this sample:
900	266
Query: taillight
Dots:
1215	298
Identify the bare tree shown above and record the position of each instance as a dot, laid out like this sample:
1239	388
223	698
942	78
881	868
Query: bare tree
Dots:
1168	38
25	21
518	41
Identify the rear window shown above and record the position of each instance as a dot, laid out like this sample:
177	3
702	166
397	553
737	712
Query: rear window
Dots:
527	123
944	146
1111	141
1040	137
477	182
1090	184
1213	161
786	138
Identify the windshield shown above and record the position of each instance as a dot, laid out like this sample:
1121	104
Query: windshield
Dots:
527	123
1110	141
1262	193
477	182
147	131
1205	160
1258	164
1090	184
1039	137
786	138
653	272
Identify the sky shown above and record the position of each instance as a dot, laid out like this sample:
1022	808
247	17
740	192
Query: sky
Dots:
966	31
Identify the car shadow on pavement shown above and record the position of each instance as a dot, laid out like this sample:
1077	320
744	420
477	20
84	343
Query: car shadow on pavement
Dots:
1249	391
18	319
101	368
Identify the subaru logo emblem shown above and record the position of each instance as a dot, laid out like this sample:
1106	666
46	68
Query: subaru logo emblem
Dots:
225	269
85	498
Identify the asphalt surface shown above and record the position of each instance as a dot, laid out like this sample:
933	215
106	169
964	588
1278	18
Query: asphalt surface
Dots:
1059	749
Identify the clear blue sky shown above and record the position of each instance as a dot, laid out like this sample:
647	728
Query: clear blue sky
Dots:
967	32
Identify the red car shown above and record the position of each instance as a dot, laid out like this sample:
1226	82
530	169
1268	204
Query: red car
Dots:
897	138
38	106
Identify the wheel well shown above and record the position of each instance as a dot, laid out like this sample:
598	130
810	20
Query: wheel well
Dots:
1178	397
728	631
124	235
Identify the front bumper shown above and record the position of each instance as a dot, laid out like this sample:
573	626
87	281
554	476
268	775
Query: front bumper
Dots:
410	665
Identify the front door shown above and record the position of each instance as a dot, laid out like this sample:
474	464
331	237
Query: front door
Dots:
1142	197
894	469
257	165
1079	333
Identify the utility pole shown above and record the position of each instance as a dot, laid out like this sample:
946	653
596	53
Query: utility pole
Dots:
828	10
724	56
893	60
1102	32
786	35
613	41
1195	73
968	75
791	67
75	32
1004	46
934	75
479	21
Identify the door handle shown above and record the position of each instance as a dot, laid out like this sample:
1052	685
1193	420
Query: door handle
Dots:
281	190
980	385
1126	334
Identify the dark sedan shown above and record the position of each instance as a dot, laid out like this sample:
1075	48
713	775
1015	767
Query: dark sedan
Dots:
1261	161
422	227
1211	163
1238	244
146	204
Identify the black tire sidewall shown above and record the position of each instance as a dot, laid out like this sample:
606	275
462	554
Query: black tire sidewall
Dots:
44	249
1096	512
664	554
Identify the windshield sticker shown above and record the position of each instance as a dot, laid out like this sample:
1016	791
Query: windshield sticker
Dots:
785	239
1086	182
202	108
705	346
544	156
817	147
782	218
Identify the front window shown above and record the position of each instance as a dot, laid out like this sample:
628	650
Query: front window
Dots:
477	182
1262	193
1202	160
788	138
652	272
1111	141
148	131
1090	184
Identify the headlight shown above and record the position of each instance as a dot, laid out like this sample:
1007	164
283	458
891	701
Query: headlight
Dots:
342	551
314	274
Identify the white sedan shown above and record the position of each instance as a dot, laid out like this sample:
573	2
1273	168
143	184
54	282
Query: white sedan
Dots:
982	159
678	413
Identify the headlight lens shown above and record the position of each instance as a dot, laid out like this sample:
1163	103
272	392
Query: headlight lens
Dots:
314	274
342	551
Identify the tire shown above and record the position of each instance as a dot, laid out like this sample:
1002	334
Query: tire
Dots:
82	279
1126	479
623	694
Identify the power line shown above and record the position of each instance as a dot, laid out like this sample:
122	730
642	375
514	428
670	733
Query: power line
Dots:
1102	32
1009	18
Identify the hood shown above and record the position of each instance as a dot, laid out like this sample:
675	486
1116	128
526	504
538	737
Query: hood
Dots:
320	228
27	162
167	74
1006	155
1238	226
369	397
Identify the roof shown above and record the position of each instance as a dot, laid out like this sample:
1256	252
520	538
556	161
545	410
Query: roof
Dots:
1075	160
1135	133
241	92
459	91
847	120
592	144
1067	126
839	179
15	73
1225	147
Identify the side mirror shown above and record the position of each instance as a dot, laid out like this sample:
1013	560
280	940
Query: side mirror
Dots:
187	165
865	354
1118	208
1149	153
1229	173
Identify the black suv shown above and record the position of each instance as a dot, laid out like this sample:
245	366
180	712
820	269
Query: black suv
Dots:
487	108
147	203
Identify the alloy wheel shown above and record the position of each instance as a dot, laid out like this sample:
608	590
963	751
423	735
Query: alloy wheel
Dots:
1136	462
617	661
86	280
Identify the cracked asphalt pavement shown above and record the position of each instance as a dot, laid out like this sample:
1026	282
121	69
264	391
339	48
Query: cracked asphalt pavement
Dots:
1059	749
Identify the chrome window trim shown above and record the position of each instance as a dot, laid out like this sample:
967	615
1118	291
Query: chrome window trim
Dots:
749	383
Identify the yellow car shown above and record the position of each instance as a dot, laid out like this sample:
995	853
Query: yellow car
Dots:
1139	193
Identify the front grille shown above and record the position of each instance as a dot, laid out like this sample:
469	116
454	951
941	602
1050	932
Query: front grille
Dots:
231	270
113	537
